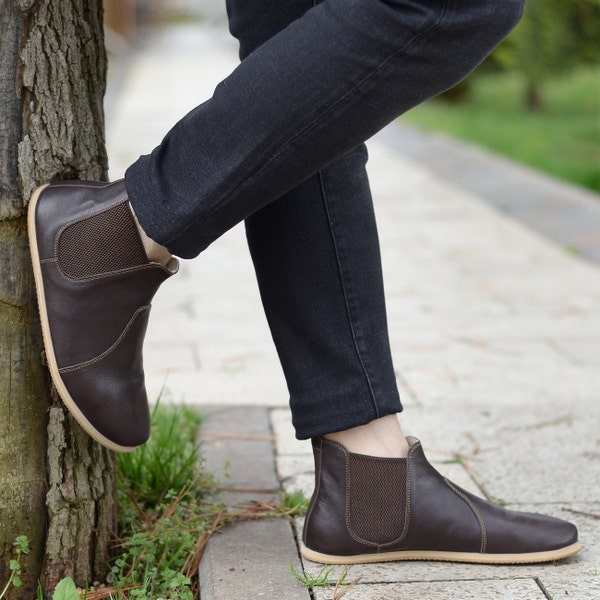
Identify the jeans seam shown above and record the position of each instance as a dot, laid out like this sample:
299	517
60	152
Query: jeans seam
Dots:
274	157
345	294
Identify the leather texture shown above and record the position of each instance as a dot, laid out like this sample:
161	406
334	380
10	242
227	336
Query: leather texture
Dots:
437	515
96	289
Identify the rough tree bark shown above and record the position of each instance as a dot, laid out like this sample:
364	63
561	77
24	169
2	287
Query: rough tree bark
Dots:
56	485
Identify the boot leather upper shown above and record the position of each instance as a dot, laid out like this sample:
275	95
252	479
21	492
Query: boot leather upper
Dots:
435	514
98	302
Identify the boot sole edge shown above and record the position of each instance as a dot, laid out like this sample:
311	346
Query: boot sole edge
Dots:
47	336
436	555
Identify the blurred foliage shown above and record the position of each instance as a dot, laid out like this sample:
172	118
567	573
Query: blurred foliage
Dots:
563	139
553	37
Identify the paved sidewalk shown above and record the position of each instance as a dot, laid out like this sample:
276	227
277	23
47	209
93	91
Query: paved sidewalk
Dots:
495	334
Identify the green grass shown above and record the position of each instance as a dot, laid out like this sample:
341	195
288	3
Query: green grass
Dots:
168	507
168	462
162	512
563	139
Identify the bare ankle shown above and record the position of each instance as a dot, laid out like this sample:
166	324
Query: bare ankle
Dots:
382	437
155	252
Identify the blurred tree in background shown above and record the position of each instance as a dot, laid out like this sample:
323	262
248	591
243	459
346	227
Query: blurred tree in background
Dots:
537	98
553	37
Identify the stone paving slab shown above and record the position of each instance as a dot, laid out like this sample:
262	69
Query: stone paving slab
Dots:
548	457
238	448
415	571
585	588
247	559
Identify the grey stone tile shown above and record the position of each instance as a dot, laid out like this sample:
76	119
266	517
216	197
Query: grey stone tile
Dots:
399	572
250	556
553	458
563	212
586	587
169	357
448	428
581	351
238	447
250	560
220	388
407	395
304	482
292	465
243	421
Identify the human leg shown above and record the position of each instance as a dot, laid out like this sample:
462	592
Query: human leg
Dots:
305	97
308	95
317	260
316	256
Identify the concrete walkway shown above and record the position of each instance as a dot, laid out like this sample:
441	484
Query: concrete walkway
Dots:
495	333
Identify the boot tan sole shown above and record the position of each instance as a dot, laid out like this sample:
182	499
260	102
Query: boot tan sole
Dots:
48	345
466	557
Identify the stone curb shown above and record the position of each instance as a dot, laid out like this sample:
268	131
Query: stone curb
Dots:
248	559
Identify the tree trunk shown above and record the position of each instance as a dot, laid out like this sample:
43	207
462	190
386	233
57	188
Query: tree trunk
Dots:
56	485
534	98
23	398
81	503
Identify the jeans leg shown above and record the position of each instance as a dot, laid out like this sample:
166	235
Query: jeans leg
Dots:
316	256
307	96
317	261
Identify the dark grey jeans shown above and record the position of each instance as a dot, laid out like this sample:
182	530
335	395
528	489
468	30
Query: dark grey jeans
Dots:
280	145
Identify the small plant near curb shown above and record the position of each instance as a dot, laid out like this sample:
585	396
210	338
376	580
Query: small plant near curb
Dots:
167	514
170	460
65	590
21	545
294	503
163	512
322	579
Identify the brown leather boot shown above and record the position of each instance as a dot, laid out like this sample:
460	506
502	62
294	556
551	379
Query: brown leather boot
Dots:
369	509
94	285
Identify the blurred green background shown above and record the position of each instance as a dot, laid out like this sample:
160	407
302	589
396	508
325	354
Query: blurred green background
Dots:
537	98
